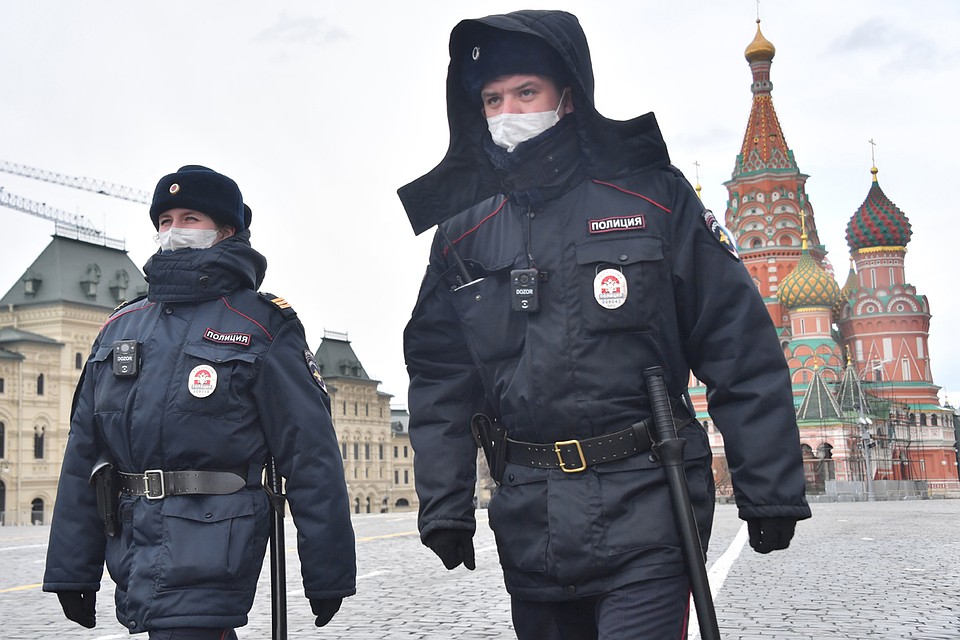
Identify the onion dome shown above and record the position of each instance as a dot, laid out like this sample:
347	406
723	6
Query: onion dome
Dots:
760	48
851	285
808	285
878	222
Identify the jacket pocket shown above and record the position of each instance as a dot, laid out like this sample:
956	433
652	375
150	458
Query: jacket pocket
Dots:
211	540
110	392
636	504
492	329
623	300
518	517
232	376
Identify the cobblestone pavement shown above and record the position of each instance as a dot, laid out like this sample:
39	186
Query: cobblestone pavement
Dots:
855	571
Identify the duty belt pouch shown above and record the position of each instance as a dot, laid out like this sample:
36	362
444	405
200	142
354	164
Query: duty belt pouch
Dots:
492	438
104	479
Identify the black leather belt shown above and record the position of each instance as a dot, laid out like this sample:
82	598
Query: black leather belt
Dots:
573	456
156	484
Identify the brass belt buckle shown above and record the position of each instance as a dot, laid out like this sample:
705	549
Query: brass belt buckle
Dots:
563	466
150	477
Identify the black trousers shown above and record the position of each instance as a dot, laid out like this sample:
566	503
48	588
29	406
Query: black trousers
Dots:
648	610
192	634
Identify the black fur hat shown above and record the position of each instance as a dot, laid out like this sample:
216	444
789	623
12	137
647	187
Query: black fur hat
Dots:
493	53
204	190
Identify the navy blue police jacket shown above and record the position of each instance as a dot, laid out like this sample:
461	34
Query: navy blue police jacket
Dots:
194	560
680	300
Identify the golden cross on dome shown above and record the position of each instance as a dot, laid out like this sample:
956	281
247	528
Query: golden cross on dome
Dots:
697	187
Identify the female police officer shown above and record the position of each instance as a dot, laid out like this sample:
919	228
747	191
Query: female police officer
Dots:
185	393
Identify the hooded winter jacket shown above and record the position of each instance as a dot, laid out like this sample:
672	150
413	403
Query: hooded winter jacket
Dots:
585	200
194	560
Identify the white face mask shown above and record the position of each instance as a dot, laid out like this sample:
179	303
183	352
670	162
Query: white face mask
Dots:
175	238
510	129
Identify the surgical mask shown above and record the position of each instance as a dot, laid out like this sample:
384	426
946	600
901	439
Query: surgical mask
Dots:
176	238
510	129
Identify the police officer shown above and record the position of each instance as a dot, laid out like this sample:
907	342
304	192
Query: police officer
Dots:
185	394
570	257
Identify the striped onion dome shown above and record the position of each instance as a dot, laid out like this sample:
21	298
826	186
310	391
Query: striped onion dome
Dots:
878	222
808	285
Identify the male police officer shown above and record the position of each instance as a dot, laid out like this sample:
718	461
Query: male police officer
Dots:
185	393
570	258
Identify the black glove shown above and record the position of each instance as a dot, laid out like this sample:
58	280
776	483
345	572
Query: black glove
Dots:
325	609
453	546
79	606
770	534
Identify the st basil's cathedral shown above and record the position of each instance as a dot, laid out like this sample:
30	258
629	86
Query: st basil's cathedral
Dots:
871	424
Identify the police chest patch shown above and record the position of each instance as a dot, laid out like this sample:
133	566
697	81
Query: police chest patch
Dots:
314	369
223	337
720	233
616	223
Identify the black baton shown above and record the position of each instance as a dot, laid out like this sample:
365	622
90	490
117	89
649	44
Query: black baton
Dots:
278	567
669	448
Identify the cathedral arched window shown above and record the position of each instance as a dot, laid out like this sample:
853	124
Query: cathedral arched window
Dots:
923	419
40	385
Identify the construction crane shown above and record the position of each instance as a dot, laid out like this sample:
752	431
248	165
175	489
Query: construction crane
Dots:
83	184
68	224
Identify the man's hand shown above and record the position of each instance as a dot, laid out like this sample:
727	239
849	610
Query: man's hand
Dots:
770	534
453	546
79	606
325	609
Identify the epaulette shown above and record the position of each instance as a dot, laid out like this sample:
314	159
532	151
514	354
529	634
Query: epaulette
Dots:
127	302
279	303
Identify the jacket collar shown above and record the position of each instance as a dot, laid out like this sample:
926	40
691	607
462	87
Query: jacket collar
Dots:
196	275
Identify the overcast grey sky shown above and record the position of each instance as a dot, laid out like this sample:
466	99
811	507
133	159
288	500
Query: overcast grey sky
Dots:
321	110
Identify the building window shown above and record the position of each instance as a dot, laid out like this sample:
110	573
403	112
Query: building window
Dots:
355	412
905	369
344	407
3	434
38	443
356	450
344	445
40	385
933	423
381	452
1	385
405	451
78	361
381	412
923	419
396	476
36	511
396	452
367	408
406	476
366	451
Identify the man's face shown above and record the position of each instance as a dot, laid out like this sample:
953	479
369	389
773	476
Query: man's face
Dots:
523	93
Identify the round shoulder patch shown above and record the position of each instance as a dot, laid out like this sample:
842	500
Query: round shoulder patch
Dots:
314	369
720	233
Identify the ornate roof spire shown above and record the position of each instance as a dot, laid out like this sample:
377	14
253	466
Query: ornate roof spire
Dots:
764	146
